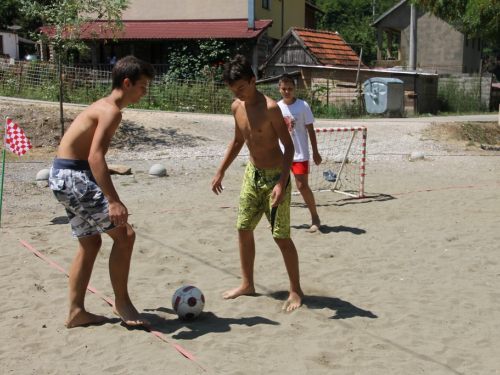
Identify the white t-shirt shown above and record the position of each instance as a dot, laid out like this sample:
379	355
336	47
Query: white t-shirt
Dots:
297	116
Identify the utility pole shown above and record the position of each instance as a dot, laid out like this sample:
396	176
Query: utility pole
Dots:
413	38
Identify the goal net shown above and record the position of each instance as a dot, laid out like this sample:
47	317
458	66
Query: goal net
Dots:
343	150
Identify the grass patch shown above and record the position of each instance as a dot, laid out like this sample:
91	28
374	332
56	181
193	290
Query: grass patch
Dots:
483	133
467	133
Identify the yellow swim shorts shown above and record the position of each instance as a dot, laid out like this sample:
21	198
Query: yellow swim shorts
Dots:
255	200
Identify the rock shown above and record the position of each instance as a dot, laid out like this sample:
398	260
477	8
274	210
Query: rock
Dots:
43	175
340	158
42	183
157	170
416	155
119	169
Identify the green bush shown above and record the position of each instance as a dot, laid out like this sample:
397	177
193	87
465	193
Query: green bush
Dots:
454	97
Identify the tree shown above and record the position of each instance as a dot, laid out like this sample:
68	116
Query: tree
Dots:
10	14
352	19
68	20
477	18
202	59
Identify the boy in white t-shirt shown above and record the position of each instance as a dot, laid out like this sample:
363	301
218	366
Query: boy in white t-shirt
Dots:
299	119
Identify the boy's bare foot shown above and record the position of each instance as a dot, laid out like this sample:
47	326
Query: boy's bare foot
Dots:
79	317
316	225
240	291
129	314
293	302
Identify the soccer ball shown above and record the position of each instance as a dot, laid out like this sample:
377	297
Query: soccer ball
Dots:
188	302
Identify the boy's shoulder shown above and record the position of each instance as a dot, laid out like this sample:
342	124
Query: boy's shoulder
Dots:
297	103
103	107
106	104
271	103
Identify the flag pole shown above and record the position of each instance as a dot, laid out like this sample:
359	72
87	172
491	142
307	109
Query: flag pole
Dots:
3	169
1	185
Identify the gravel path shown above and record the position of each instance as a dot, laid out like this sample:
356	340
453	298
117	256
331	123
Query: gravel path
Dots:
190	140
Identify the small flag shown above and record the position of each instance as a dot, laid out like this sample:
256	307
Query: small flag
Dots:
15	140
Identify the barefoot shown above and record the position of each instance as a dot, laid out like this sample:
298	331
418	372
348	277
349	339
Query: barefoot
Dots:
269	226
293	302
129	314
316	225
79	317
240	291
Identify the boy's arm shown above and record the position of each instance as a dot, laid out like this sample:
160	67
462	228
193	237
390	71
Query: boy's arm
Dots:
231	154
107	124
281	129
314	144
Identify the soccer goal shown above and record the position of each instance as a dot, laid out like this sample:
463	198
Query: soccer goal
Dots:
343	151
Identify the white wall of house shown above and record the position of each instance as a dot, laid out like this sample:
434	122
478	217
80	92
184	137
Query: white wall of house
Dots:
10	44
143	10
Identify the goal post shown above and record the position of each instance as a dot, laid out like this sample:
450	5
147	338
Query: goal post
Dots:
343	150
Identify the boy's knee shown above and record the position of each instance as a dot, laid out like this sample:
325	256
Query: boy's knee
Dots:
302	186
126	238
283	243
91	242
130	235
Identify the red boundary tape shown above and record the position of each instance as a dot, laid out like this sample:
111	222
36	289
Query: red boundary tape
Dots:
184	352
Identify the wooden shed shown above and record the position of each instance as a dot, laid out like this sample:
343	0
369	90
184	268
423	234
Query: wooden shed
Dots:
328	67
308	47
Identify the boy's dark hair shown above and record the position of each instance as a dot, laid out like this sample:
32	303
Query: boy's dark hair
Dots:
286	78
238	68
132	68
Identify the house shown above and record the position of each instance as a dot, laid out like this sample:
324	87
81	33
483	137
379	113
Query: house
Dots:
300	49
9	44
150	25
437	45
12	45
283	13
331	71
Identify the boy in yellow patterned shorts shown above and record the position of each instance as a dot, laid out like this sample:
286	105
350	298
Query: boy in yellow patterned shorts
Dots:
266	187
255	200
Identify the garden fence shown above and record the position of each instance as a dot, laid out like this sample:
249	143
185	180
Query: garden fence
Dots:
39	80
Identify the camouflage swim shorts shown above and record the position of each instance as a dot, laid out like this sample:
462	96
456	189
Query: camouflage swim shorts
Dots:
74	186
255	200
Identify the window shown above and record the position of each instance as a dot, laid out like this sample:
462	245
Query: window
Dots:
1	43
265	4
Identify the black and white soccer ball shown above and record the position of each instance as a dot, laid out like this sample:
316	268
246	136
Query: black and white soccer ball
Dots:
188	302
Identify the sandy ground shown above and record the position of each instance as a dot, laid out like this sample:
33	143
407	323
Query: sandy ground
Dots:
405	282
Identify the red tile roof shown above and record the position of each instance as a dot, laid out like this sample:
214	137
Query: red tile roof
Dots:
203	29
329	48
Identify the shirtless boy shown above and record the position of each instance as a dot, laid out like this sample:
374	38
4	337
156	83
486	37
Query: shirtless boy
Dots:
266	184
80	180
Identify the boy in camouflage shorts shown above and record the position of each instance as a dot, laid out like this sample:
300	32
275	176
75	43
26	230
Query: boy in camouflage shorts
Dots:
81	181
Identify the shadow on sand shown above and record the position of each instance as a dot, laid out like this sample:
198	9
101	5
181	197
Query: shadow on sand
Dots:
206	322
343	309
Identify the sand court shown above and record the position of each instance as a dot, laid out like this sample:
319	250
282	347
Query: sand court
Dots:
404	282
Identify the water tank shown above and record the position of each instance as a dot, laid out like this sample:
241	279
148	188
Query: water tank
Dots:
384	96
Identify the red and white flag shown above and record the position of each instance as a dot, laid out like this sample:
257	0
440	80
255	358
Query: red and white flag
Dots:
15	140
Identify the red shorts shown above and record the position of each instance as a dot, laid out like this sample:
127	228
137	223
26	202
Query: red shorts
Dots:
300	167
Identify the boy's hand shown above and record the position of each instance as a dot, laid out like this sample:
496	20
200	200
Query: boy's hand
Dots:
118	214
317	158
217	183
277	195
